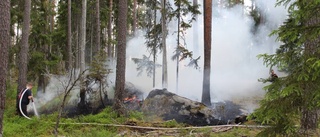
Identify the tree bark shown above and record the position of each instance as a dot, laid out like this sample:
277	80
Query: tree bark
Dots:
207	4
121	57
164	46
309	117
24	49
4	50
309	121
77	54
134	26
98	31
195	32
154	48
69	38
110	30
82	51
178	51
53	4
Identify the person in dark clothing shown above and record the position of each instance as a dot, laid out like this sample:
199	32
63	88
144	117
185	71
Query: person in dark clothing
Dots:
273	76
25	99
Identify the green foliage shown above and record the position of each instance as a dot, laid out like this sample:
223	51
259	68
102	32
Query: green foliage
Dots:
171	123
183	53
184	8
145	64
136	115
285	98
98	67
37	65
107	116
235	132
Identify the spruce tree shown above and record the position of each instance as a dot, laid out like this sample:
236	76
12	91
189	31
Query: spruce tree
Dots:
294	98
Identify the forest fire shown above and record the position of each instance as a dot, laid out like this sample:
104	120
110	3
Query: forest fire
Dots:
132	102
128	99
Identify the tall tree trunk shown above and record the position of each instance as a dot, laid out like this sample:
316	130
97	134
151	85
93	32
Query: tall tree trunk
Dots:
309	117
4	50
98	31
164	46
134	26
53	6
207	4
178	51
24	49
91	48
110	47
69	38
309	121
77	54
82	47
195	27
121	57
154	47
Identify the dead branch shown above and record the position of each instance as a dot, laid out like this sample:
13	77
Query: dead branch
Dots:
162	128
67	91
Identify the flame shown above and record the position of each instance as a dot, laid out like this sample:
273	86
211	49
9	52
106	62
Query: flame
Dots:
130	98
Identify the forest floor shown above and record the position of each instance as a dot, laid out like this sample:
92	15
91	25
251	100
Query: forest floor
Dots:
107	124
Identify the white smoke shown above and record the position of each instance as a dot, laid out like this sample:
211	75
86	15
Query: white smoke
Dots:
234	67
56	89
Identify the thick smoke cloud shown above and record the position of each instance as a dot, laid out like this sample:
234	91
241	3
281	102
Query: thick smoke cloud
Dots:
235	67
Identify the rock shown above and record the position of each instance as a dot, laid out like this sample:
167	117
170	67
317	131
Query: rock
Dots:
229	111
171	106
131	90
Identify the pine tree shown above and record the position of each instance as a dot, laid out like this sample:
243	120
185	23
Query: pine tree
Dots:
207	8
24	50
121	57
82	50
4	52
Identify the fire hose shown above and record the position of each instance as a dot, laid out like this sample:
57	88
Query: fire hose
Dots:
20	107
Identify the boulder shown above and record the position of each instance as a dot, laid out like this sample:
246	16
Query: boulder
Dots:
170	106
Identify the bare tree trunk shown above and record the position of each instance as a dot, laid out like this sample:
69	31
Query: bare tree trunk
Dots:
309	117
4	54
69	39
309	121
134	26
207	4
24	50
195	33
77	53
53	4
98	31
121	57
178	52
82	51
110	30
89	53
154	49
164	46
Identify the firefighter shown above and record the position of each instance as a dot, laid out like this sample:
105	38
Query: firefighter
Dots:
273	76
25	99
